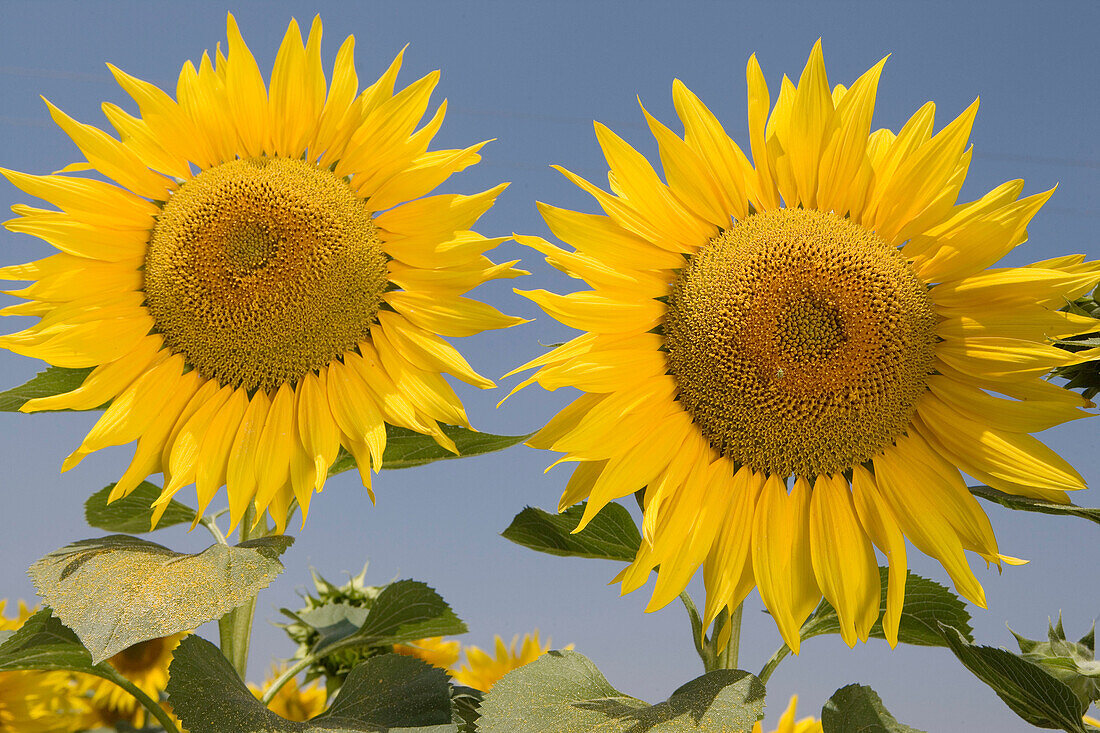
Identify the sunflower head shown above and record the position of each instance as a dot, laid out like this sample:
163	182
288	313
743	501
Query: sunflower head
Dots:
481	671
797	355
434	650
265	281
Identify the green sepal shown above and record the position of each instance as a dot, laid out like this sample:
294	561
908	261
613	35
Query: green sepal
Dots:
119	590
1028	504
53	381
385	693
133	512
1074	663
927	604
408	448
859	709
611	535
1027	688
565	693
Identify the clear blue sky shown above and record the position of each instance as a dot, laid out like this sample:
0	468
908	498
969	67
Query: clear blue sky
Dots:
535	76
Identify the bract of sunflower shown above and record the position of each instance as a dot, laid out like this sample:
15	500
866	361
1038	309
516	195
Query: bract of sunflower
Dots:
796	356
267	282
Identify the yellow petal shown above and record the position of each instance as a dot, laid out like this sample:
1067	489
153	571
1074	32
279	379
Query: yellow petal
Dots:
449	316
1029	416
592	311
810	126
183	460
106	381
213	456
87	200
843	561
729	556
781	560
241	470
877	520
248	102
600	237
428	351
355	411
275	445
759	102
317	430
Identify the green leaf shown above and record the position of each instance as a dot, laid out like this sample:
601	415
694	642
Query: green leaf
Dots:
858	709
465	706
611	535
43	642
1072	662
927	605
404	611
1027	504
565	693
408	448
1029	690
118	590
55	380
132	513
388	693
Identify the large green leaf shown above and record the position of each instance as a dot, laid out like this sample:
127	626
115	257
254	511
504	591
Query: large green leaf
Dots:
387	693
132	513
565	693
611	535
1033	693
55	380
858	709
404	611
118	590
408	448
927	605
1028	504
43	642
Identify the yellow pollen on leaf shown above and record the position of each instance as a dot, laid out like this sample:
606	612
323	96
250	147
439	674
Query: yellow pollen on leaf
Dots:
263	269
800	342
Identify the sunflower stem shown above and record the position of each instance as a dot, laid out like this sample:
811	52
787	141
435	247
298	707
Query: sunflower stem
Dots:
780	654
149	703
285	677
235	627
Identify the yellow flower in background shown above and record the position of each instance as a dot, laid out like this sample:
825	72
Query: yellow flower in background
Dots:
482	671
146	665
433	650
37	701
267	282
796	357
293	701
788	724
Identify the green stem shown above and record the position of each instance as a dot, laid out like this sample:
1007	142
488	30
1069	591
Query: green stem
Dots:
149	703
727	658
235	627
780	654
286	677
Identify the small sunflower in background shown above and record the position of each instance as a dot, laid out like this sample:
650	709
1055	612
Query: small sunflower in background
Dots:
38	701
481	671
293	701
796	356
788	723
434	650
146	665
266	280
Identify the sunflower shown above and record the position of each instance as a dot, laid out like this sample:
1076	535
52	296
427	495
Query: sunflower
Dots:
433	650
482	671
146	665
788	724
796	357
292	701
267	281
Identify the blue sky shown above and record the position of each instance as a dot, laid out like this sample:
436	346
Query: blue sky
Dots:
534	77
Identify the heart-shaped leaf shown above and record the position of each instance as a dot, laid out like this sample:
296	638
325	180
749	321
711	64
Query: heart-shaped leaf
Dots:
385	693
1034	694
404	611
927	605
565	693
133	513
611	535
118	590
858	709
